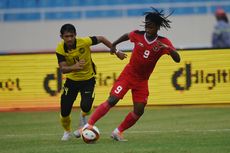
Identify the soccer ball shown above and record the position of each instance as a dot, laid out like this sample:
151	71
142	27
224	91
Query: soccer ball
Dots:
90	134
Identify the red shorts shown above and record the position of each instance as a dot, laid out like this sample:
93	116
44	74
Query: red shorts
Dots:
138	88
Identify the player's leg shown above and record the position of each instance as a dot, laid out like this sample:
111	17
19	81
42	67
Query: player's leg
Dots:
129	121
118	91
140	94
87	98
133	116
67	99
102	109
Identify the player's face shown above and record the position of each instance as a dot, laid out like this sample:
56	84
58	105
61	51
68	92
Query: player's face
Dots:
151	28
69	38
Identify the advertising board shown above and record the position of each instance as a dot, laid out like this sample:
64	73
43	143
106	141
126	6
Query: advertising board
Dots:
35	81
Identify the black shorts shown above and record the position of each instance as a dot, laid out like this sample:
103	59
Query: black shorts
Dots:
70	91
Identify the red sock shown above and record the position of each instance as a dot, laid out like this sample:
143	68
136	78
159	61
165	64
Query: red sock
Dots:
129	121
99	112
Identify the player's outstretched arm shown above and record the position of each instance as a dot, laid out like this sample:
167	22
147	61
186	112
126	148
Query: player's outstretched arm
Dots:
121	55
175	56
173	53
105	41
123	38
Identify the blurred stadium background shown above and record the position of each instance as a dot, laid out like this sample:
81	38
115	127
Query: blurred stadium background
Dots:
29	29
26	23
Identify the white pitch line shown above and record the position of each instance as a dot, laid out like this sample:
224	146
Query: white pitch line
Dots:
106	132
178	131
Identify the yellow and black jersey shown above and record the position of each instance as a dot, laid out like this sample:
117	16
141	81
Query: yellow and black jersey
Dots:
82	51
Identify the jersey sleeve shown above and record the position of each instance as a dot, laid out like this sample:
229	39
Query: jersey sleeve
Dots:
60	48
132	36
60	58
94	40
60	52
169	43
88	41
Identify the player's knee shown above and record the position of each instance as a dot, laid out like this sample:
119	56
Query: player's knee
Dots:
112	100
86	105
86	108
139	108
65	113
139	112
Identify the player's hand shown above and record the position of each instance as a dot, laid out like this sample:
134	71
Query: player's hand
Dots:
79	65
113	50
82	62
121	55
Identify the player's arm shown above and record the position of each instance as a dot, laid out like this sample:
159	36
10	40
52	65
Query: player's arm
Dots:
113	49
171	51
175	56
121	39
106	42
69	68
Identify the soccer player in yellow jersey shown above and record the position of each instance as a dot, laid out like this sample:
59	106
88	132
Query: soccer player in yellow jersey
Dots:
74	59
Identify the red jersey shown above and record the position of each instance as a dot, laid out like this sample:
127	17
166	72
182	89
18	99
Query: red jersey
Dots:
145	55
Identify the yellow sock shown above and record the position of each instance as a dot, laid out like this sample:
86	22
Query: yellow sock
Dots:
65	122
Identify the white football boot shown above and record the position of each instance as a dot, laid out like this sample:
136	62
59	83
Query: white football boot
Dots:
117	135
82	122
66	136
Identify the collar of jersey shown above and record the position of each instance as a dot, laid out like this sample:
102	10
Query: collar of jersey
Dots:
149	42
66	49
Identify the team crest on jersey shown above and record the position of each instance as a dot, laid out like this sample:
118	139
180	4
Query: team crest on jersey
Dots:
140	44
81	50
155	48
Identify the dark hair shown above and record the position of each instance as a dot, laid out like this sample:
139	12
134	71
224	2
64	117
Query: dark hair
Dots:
67	28
158	17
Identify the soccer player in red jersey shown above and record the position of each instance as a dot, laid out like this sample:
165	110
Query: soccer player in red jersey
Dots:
148	48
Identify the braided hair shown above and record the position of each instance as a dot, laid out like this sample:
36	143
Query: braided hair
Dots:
158	17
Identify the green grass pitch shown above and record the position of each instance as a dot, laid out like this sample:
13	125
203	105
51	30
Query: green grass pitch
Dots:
179	129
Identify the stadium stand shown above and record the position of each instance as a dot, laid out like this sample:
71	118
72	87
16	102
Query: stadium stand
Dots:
39	10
